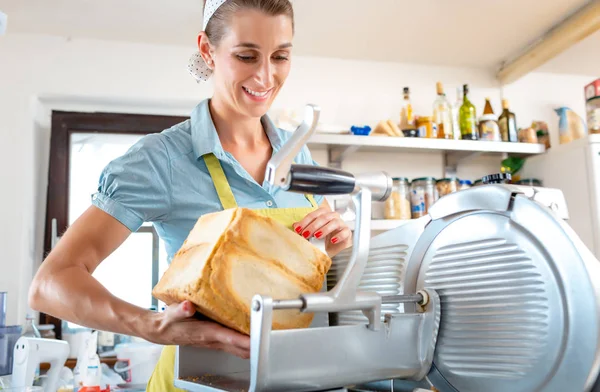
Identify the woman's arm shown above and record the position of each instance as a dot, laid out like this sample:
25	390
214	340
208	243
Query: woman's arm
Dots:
65	288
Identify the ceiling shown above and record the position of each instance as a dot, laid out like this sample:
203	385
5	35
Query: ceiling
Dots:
473	33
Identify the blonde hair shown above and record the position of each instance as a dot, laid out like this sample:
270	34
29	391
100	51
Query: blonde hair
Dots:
217	25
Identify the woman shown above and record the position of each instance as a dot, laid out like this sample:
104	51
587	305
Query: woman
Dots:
214	161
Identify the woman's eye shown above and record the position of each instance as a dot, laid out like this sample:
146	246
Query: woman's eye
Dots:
281	58
246	58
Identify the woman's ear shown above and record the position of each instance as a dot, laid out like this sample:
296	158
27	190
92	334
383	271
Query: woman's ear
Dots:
205	49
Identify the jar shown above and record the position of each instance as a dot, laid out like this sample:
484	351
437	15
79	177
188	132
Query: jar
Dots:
529	182
446	186
464	184
422	195
489	129
397	206
426	127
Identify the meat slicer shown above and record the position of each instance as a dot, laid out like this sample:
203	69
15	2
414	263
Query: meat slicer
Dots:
491	291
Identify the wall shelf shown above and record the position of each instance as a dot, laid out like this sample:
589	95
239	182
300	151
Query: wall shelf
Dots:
455	151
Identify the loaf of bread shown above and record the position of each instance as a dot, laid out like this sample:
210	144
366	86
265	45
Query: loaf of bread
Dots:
232	255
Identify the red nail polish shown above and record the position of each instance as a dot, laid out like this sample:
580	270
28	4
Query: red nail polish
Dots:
318	234
306	234
334	240
298	229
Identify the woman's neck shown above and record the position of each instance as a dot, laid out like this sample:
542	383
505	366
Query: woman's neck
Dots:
236	131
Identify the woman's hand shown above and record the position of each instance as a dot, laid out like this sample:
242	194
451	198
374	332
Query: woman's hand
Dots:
178	326
324	223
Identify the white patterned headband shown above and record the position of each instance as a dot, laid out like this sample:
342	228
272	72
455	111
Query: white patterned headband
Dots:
197	66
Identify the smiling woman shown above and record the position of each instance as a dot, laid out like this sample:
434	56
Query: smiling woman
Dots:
216	160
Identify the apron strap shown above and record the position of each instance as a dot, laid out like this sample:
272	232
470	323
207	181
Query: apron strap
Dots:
222	185
220	181
312	200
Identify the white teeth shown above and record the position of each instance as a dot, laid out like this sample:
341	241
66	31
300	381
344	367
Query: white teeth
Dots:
256	94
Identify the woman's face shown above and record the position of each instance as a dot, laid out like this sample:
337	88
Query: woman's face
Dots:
252	61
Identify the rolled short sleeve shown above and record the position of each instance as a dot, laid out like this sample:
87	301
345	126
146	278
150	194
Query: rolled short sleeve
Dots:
135	188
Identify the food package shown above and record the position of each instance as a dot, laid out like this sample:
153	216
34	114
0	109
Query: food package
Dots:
232	255
592	98
543	135
387	128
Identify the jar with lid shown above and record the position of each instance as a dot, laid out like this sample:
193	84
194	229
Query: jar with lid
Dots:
446	186
423	194
489	129
426	127
397	206
464	184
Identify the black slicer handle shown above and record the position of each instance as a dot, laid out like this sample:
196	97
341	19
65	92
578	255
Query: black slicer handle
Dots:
319	180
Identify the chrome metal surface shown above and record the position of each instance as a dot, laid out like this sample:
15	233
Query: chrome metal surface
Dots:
511	289
379	183
402	299
512	280
278	167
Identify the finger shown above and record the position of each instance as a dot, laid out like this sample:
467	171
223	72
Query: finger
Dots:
318	223
299	227
340	237
331	227
181	311
211	332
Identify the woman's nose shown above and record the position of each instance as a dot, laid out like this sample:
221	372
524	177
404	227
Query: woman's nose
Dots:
265	73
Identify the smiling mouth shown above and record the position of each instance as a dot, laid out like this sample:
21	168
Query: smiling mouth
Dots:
257	94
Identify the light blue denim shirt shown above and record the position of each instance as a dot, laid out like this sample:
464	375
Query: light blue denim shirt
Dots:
163	179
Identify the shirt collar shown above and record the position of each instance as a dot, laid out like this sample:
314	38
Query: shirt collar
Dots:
206	140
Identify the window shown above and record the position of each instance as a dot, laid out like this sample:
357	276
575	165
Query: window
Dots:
81	146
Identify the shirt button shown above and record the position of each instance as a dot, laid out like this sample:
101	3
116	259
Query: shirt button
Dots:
269	203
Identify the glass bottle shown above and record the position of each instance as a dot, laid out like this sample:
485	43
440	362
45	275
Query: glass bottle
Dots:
407	118
442	114
456	113
508	124
468	117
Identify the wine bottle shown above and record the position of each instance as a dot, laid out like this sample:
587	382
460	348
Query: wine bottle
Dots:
468	117
442	114
508	124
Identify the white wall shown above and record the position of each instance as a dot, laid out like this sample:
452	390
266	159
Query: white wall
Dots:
41	73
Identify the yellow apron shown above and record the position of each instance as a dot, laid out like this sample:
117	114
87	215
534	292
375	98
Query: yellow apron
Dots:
163	376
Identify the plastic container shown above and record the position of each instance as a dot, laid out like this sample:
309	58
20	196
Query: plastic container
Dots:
464	184
360	131
8	339
446	186
136	361
397	206
423	194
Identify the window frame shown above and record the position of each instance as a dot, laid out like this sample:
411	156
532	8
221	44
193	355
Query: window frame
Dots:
63	125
